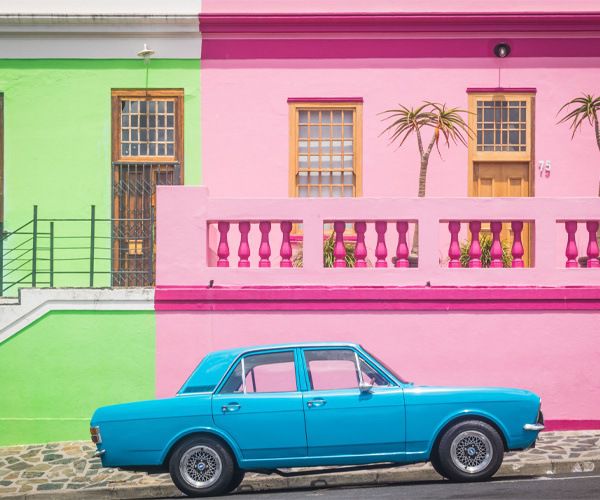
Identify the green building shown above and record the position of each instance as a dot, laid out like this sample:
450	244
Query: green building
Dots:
96	109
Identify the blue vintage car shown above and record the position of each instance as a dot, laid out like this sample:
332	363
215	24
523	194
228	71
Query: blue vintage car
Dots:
318	404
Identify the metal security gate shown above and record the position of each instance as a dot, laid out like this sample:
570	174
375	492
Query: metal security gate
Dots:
134	215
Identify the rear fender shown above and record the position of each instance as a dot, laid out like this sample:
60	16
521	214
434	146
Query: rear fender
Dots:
203	430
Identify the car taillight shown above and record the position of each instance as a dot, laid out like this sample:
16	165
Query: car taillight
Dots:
95	433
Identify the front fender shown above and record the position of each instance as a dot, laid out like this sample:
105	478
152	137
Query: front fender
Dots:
465	415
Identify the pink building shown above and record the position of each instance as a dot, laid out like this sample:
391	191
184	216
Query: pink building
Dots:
293	148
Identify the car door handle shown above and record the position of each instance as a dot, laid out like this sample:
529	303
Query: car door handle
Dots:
230	407
315	403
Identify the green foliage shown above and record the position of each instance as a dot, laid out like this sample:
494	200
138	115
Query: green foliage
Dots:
485	241
587	109
328	256
445	122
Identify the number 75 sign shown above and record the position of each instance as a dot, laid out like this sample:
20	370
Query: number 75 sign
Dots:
545	168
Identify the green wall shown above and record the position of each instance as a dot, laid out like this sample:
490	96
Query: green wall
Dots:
57	136
59	369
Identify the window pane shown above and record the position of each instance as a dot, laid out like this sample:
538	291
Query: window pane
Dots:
332	369
371	376
319	154
273	372
144	123
497	116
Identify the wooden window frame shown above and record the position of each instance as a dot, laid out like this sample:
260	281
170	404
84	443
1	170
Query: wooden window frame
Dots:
526	156
118	95
309	105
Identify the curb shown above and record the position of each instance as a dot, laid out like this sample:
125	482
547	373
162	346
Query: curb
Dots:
258	482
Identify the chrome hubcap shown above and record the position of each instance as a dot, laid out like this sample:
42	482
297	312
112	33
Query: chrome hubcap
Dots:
200	466
471	451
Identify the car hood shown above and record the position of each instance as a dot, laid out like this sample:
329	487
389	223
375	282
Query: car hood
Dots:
479	394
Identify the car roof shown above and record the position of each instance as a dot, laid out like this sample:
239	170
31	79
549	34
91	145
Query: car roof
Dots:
213	367
236	351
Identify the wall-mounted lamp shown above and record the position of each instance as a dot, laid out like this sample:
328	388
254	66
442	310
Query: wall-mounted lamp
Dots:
502	50
146	53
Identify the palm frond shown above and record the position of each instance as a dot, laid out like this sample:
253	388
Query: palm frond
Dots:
587	109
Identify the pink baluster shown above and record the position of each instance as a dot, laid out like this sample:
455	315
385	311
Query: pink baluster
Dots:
517	250
592	248
223	248
380	248
286	247
571	251
360	251
402	248
264	251
454	249
339	250
496	248
475	248
244	249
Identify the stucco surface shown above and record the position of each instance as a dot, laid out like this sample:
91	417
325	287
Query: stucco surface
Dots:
553	354
57	143
258	166
58	370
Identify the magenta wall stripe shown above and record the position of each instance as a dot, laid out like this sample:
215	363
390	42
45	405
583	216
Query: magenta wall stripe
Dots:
386	48
401	22
376	298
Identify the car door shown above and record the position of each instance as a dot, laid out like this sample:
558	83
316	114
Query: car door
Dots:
260	406
341	419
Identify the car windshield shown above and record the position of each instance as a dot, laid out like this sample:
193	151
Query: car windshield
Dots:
386	366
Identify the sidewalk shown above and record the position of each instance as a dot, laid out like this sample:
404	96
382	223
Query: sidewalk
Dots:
65	470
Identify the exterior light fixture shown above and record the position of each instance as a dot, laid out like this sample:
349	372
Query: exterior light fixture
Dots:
146	53
502	50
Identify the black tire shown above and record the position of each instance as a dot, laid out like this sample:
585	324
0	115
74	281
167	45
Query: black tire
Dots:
217	472
236	480
469	451
435	463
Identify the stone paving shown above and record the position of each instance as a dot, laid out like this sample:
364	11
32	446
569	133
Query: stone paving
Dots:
69	466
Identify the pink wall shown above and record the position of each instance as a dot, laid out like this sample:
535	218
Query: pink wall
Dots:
281	6
552	353
237	93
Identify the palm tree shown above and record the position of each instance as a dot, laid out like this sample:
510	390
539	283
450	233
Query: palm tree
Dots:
445	122
587	109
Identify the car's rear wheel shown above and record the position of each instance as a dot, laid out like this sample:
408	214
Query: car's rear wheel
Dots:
471	450
202	466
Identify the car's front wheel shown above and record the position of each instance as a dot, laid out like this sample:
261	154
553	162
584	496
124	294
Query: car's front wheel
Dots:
201	466
471	450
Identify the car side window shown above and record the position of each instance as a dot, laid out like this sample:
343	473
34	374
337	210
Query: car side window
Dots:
331	369
259	373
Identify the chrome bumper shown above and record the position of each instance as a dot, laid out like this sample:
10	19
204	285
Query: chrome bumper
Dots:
533	427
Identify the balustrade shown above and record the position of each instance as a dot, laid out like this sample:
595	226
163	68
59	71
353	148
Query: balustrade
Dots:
508	241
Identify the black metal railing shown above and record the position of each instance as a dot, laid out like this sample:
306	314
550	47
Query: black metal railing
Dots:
87	252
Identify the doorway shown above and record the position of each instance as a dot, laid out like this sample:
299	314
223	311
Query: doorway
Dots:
501	153
147	152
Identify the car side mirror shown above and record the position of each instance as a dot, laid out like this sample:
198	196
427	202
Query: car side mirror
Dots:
365	387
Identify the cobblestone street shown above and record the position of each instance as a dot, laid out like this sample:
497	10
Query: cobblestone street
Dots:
68	466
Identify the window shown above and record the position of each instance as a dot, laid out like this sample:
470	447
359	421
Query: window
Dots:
258	373
325	159
337	369
501	125
149	124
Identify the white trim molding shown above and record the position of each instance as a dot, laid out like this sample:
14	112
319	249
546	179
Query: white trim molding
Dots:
102	36
35	302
